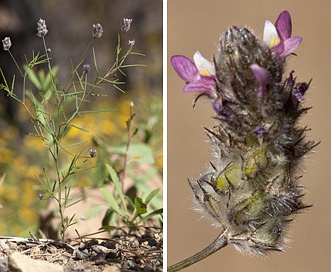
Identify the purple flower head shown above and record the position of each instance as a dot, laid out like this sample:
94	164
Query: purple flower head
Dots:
222	109
300	89
278	36
199	76
259	131
262	77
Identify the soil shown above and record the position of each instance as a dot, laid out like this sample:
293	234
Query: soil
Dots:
141	250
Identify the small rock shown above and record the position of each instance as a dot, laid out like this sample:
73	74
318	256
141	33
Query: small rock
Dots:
99	249
4	264
109	244
82	254
128	264
152	242
112	269
17	262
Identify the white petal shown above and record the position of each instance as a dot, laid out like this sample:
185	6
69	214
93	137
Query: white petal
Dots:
205	67
270	35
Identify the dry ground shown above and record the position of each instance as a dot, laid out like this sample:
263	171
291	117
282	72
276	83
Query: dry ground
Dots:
139	251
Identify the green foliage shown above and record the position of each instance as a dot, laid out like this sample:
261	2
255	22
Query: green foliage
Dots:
53	111
126	207
131	212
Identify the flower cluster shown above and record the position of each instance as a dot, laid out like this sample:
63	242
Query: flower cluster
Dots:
6	43
41	28
97	31
126	25
251	188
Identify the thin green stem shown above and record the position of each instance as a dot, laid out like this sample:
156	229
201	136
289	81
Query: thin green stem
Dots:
130	134
220	242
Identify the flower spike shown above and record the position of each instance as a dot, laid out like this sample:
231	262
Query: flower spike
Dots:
251	189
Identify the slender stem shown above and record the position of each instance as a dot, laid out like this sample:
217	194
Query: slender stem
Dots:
18	67
220	242
126	155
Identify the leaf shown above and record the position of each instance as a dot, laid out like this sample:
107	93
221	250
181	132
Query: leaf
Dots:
141	207
93	212
106	219
95	61
130	205
117	184
34	79
152	195
48	82
112	202
109	228
153	213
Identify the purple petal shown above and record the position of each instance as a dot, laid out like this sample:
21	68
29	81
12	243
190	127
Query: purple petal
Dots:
279	48
290	45
222	109
262	77
205	85
208	80
284	25
300	90
260	74
259	131
185	68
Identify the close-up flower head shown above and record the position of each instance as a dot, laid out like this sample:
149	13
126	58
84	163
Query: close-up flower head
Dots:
252	189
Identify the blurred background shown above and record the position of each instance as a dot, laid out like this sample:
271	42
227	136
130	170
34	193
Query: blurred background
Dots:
196	25
70	31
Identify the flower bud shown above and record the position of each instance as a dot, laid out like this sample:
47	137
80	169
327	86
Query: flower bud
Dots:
126	24
97	31
86	68
93	153
6	43
41	28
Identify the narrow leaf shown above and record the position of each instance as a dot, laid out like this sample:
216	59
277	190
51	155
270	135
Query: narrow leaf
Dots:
117	184
111	201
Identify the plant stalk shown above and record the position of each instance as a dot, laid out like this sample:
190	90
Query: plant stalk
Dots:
220	242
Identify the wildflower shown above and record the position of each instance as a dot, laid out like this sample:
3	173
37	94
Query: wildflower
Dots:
199	76
97	31
259	131
131	42
93	153
222	109
251	188
278	36
42	28
86	68
262	78
126	24
6	43
300	90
